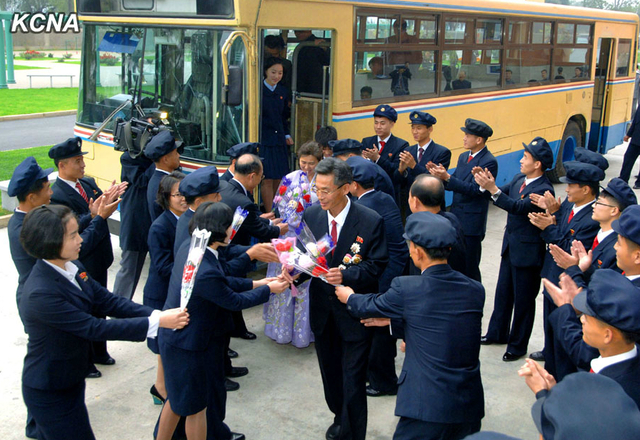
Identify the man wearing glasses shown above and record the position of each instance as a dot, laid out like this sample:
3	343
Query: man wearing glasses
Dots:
358	260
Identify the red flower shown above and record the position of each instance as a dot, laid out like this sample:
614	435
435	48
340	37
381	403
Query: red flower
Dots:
317	271
322	261
188	273
307	198
282	190
300	208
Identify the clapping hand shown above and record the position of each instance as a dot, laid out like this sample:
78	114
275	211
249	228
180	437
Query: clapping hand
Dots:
438	171
547	201
485	180
563	259
406	161
541	220
584	258
563	294
372	154
536	377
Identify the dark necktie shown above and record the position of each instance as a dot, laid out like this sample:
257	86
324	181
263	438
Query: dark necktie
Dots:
570	216
420	153
382	144
81	191
334	233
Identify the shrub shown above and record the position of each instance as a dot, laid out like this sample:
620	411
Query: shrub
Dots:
66	56
30	54
50	55
106	59
61	60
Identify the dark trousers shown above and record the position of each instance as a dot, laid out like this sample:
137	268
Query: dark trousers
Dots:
382	365
217	394
473	255
630	157
549	342
413	429
516	292
59	414
343	366
99	351
239	326
128	276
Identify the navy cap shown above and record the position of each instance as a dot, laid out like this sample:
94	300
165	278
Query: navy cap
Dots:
622	192
611	298
386	111
244	148
628	225
422	118
587	156
161	144
489	435
25	175
363	170
72	147
429	230
201	182
586	406
344	146
579	172
541	151
477	128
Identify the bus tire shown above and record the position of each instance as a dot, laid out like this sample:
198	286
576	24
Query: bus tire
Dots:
571	138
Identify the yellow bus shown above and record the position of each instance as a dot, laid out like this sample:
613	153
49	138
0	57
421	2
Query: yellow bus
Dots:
526	68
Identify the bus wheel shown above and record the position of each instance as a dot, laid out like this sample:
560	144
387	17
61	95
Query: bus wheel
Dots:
571	139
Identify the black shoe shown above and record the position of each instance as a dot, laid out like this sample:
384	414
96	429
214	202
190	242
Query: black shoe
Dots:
510	357
157	398
238	372
108	361
237	436
94	374
232	354
333	432
636	186
372	392
246	335
537	356
485	341
230	385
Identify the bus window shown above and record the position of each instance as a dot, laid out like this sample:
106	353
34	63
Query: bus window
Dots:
467	69
167	8
529	32
572	63
528	66
622	62
458	30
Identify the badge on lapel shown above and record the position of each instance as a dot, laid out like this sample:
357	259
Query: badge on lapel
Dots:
599	264
572	231
356	258
83	276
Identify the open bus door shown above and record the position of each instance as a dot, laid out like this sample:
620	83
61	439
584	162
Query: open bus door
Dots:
601	95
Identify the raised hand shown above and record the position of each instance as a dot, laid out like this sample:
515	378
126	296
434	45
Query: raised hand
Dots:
562	258
406	161
485	180
564	293
541	220
536	377
438	171
263	252
585	258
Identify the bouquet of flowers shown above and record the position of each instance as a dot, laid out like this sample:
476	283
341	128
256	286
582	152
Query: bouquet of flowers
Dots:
238	218
316	249
292	198
197	248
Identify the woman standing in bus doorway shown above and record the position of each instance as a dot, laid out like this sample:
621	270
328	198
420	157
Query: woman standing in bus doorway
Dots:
286	317
275	136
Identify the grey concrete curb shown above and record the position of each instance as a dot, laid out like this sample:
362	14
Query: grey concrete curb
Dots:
38	115
4	220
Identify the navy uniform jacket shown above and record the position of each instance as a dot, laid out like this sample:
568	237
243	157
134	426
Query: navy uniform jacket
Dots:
384	205
58	318
521	239
457	260
227	176
634	130
98	261
91	237
603	257
382	181
365	228
435	153
214	295
441	312
152	194
233	195
390	157
134	212
627	374
275	113
469	204
161	238
582	228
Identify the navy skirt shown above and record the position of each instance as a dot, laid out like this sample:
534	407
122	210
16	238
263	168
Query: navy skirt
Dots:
276	161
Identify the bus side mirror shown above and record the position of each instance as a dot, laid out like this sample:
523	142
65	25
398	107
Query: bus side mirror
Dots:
233	92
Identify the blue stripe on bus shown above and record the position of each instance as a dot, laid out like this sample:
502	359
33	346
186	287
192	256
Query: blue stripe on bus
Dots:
495	10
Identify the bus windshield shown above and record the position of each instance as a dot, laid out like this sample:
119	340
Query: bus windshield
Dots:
173	74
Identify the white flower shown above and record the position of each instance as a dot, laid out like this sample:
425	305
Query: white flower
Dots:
355	248
342	267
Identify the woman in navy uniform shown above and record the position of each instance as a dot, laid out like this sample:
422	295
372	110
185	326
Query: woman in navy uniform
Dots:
56	307
200	394
161	237
275	136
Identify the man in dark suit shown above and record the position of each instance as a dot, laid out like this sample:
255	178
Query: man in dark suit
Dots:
633	151
523	250
470	204
344	149
358	261
311	61
427	194
165	153
382	367
384	148
440	393
234	153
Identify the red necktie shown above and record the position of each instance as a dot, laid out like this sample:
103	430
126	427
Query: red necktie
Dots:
420	153
470	157
524	185
591	370
595	243
382	144
334	233
81	191
570	217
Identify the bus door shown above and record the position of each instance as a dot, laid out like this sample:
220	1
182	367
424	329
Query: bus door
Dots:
601	95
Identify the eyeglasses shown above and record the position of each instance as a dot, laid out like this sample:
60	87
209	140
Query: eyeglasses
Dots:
324	192
177	195
598	202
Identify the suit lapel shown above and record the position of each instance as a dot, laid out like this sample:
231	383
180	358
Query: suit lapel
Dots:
80	206
348	234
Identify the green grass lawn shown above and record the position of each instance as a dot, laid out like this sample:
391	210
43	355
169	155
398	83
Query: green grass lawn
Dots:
23	101
21	67
9	160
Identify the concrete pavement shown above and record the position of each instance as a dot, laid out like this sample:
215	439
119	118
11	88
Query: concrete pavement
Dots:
281	398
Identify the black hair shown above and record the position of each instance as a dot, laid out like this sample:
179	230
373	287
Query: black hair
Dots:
340	170
274	41
367	184
428	189
610	198
190	199
594	186
438	253
43	231
164	189
247	164
310	148
35	187
629	337
509	70
270	62
325	134
215	218
366	89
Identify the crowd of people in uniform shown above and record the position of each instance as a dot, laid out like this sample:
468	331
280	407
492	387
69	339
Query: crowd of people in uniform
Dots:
403	268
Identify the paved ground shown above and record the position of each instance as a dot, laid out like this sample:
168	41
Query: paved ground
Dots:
27	133
281	398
